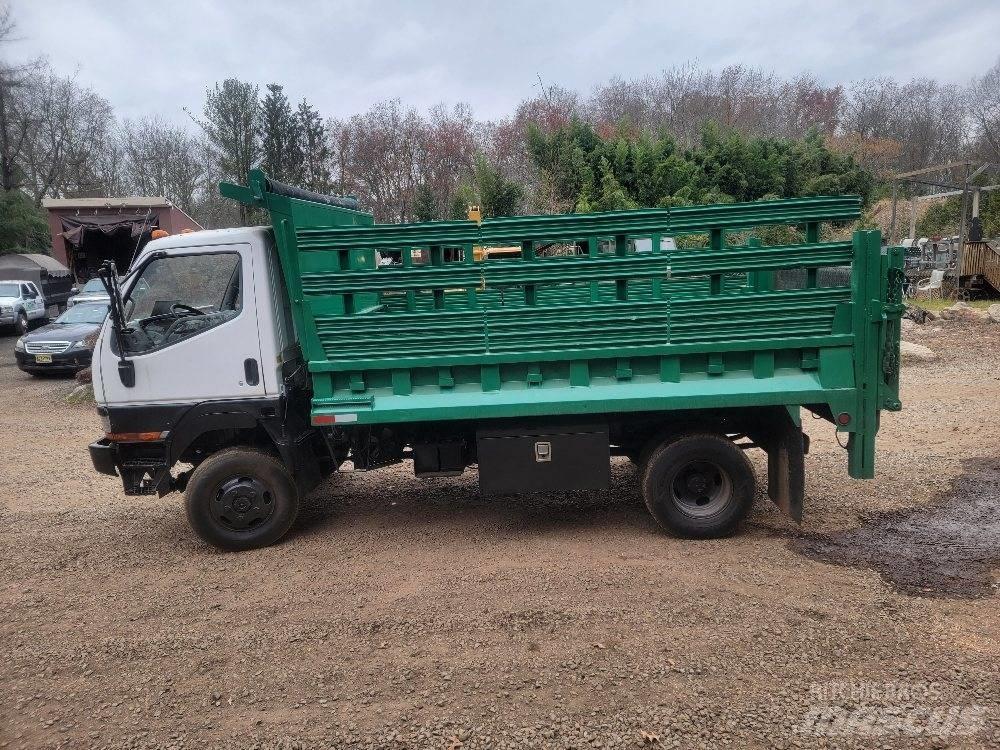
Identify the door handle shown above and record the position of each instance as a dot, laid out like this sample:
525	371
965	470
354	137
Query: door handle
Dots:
251	373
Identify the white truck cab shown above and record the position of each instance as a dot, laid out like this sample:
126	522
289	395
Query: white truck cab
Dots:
207	319
20	303
211	371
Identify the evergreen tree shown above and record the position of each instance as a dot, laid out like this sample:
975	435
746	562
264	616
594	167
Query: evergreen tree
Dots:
464	197
23	227
624	170
424	204
280	137
231	121
498	196
315	149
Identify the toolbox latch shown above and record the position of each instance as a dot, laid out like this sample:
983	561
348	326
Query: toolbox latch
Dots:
543	451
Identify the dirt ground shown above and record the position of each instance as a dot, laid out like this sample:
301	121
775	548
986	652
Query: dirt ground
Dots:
407	613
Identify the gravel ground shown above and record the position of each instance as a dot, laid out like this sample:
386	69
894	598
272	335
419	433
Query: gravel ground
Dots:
407	614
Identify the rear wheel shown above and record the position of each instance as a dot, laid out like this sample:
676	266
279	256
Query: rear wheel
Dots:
698	485
241	499
21	325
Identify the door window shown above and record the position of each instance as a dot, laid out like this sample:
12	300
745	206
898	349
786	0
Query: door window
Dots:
177	297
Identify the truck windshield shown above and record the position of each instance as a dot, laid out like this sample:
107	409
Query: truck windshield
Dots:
177	297
9	290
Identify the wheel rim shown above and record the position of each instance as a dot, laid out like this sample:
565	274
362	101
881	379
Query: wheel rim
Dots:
700	489
242	504
22	323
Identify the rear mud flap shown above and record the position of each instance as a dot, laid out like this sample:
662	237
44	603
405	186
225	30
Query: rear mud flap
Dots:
780	435
786	469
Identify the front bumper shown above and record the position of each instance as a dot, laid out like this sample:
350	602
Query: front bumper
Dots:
104	455
7	319
71	360
142	466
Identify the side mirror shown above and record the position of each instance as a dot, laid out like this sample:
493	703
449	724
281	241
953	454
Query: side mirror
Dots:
74	290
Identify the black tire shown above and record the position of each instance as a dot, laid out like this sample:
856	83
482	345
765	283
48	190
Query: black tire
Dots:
22	325
698	485
241	499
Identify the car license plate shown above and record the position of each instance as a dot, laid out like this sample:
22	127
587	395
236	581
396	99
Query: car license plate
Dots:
43	359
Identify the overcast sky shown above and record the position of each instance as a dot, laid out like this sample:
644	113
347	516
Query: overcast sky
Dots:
157	57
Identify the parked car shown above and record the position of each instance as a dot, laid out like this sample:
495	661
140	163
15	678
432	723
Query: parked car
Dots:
92	291
62	345
20	303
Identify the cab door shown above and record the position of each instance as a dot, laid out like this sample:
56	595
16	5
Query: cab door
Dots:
40	303
195	312
34	305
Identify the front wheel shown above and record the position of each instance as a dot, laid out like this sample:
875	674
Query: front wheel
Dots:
241	499
698	485
21	325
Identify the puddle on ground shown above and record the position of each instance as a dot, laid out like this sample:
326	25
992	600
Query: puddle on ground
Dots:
943	550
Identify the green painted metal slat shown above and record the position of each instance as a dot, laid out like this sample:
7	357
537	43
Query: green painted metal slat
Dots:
390	236
733	216
574	227
556	328
579	269
748	344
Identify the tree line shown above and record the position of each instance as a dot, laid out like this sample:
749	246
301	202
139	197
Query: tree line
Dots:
686	135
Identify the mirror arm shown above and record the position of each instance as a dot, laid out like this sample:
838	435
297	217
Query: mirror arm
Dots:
109	278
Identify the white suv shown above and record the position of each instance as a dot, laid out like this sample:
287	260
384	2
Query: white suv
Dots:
20	303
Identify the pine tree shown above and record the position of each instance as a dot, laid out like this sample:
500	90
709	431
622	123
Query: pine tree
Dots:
498	196
231	121
315	148
280	137
23	225
424	204
464	197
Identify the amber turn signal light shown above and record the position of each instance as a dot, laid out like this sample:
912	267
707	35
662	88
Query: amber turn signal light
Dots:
134	437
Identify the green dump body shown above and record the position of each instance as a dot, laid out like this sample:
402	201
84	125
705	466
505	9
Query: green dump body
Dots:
581	323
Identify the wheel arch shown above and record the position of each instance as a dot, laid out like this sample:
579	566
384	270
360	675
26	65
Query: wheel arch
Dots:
205	421
213	426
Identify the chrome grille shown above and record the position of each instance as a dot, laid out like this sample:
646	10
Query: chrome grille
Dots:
46	347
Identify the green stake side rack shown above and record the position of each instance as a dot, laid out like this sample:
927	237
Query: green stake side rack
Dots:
400	322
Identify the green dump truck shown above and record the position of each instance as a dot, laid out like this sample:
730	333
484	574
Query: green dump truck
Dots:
267	358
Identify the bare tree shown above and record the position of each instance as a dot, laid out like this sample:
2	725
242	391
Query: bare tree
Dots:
69	124
985	112
449	141
553	108
926	119
162	159
15	124
377	154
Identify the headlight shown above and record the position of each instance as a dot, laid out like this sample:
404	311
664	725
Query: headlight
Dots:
81	344
6	309
19	345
